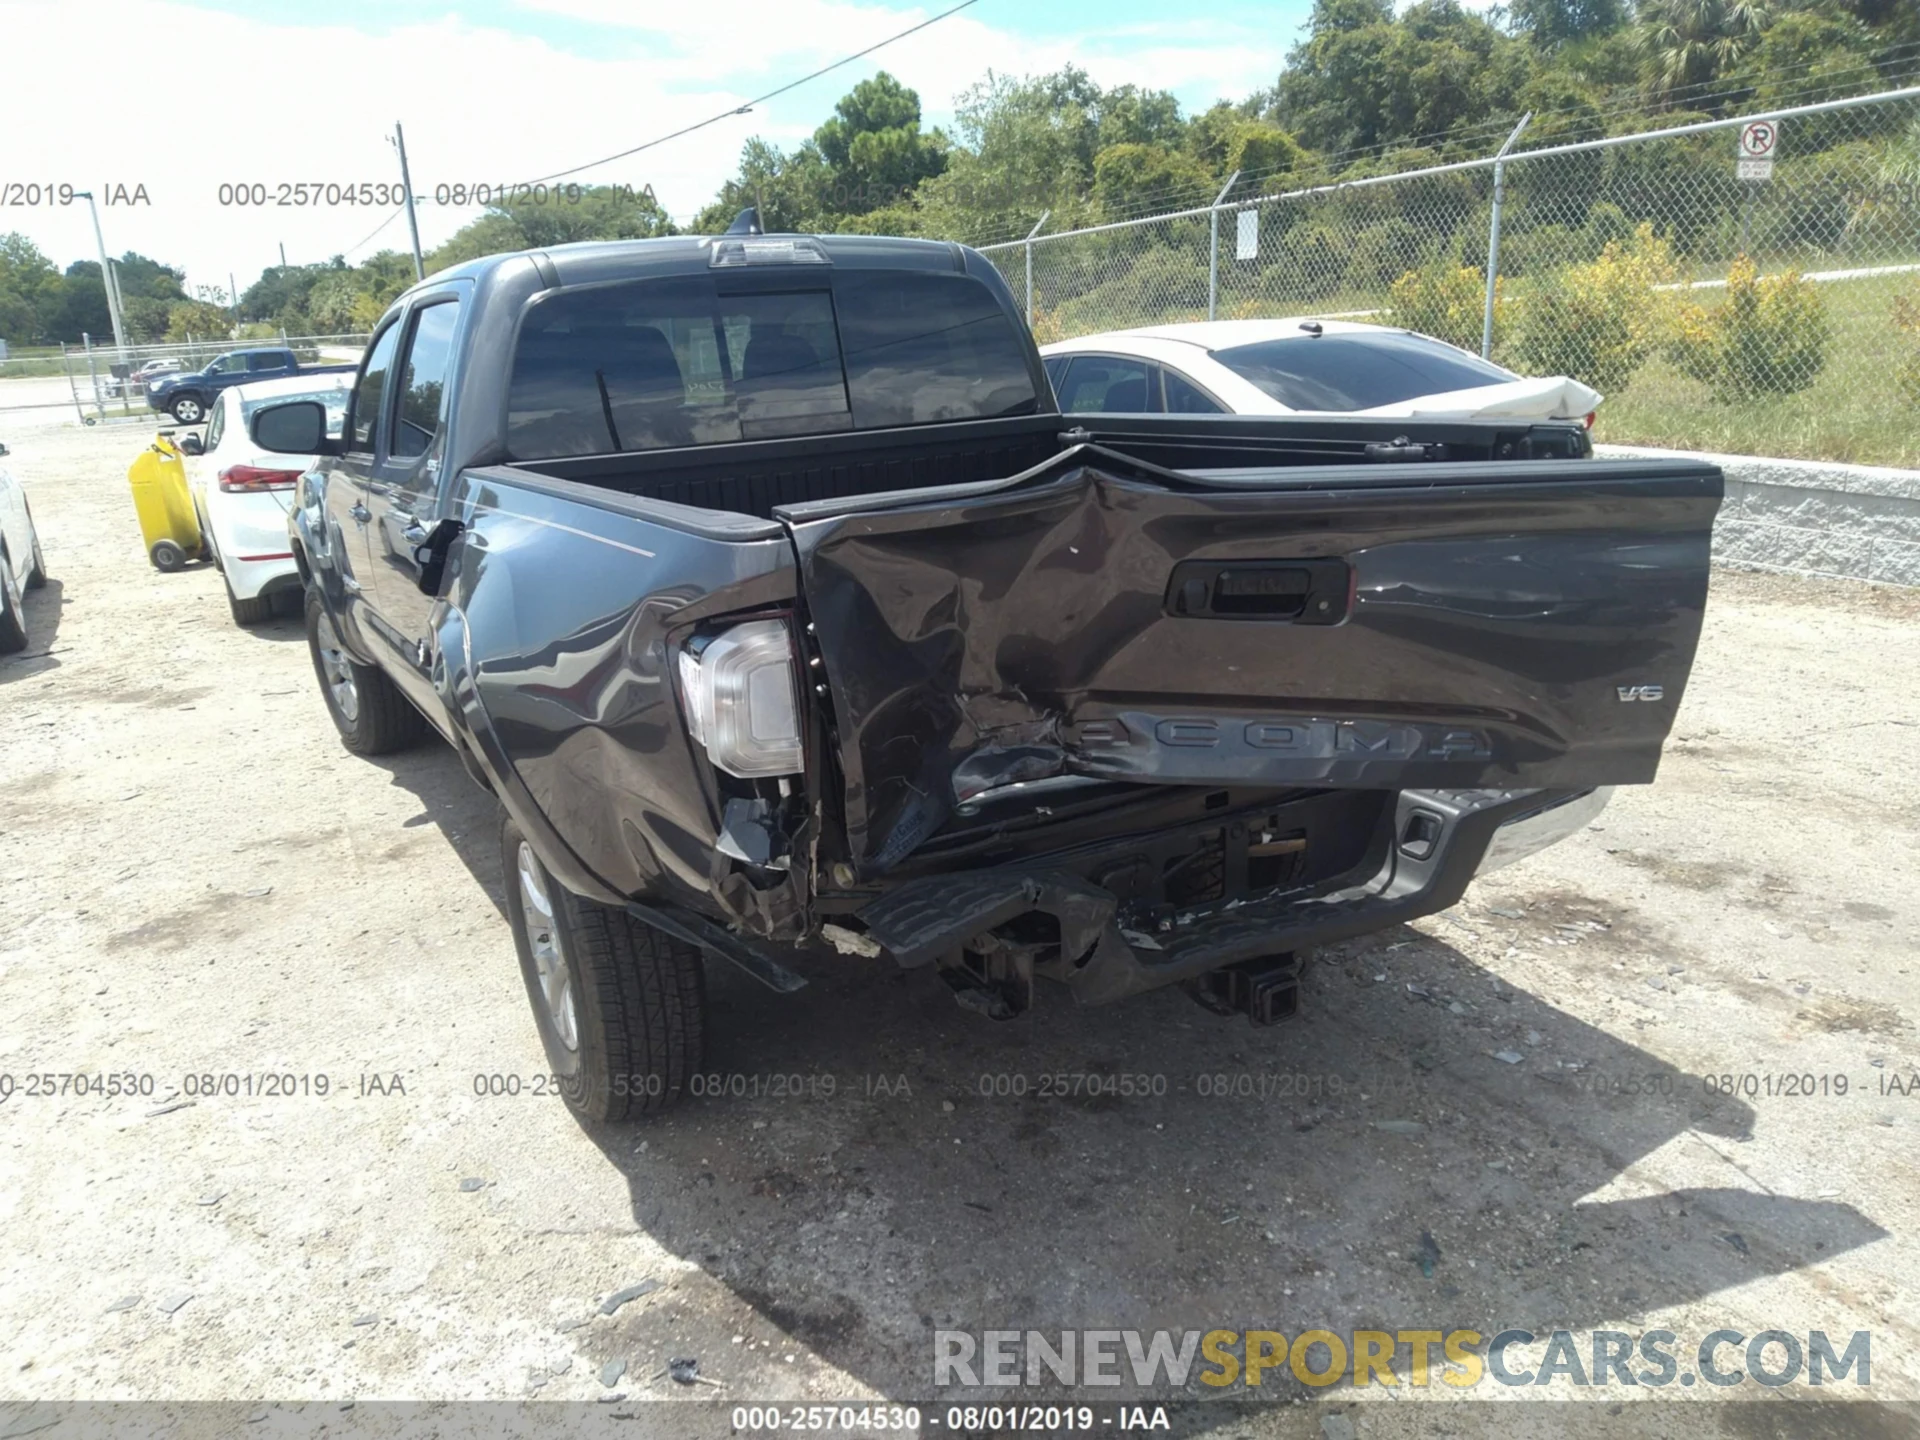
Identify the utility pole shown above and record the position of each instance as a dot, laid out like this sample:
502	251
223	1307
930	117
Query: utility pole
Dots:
283	254
406	191
107	278
233	297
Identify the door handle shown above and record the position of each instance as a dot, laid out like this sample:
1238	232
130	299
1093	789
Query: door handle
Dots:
360	512
1300	592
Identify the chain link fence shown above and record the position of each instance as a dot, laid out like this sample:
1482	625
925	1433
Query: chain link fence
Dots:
106	384
1716	309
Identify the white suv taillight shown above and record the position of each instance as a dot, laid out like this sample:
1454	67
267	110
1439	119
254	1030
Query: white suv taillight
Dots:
741	700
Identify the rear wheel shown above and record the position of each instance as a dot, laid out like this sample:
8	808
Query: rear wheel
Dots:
13	617
256	611
620	1006
37	571
368	710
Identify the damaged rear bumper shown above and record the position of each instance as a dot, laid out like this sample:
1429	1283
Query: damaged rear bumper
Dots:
1439	840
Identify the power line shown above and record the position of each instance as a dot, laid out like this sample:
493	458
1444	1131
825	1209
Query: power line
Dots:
393	216
710	120
757	100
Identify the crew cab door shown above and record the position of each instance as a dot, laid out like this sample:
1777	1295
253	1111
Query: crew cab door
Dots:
269	364
1466	625
349	475
403	486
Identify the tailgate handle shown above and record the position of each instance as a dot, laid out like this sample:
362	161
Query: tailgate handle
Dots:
1299	592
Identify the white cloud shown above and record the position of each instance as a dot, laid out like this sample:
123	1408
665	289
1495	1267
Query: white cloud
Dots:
210	97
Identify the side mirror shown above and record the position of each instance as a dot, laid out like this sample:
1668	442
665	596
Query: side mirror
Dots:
190	445
297	428
4	452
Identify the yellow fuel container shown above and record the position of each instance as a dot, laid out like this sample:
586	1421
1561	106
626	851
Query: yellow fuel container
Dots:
168	523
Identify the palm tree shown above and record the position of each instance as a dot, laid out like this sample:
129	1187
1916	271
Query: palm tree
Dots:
1689	42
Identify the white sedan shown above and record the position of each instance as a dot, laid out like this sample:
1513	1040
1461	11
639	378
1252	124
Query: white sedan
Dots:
22	566
242	493
1301	365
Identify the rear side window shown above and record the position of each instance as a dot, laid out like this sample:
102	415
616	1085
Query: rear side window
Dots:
922	347
424	379
1357	372
1108	385
266	360
1186	398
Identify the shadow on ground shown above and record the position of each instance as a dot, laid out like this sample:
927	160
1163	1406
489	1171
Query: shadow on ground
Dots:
42	610
874	1164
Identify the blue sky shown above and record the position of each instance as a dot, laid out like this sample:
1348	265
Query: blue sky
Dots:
237	90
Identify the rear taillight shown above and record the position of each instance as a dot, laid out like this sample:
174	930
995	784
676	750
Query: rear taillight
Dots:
246	479
741	699
1588	422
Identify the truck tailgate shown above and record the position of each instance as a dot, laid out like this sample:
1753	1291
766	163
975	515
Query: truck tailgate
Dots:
1452	625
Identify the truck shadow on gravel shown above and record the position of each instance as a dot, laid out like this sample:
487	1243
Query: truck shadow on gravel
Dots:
865	1163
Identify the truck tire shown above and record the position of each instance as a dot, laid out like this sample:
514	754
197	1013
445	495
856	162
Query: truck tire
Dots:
13	617
621	1007
188	410
367	708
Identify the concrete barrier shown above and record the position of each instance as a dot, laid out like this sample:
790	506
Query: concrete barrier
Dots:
1811	517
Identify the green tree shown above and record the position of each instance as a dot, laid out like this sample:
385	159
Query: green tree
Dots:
279	296
1690	42
1552	23
197	318
1026	146
874	147
330	304
30	291
1137	179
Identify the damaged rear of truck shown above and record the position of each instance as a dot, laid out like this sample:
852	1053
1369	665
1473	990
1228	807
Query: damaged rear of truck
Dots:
761	581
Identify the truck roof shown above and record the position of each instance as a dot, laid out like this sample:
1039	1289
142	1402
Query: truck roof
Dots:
586	261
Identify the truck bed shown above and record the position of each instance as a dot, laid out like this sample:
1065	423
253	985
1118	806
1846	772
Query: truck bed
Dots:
758	477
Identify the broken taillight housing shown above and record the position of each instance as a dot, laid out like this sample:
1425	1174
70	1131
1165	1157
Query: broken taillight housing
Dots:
741	701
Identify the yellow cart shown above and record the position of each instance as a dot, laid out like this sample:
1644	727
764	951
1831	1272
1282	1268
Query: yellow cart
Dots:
168	523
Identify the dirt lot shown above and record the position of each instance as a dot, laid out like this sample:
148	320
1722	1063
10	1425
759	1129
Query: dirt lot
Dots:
195	879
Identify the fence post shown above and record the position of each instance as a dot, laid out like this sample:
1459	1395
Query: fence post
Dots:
66	364
1213	248
1029	248
1493	234
93	377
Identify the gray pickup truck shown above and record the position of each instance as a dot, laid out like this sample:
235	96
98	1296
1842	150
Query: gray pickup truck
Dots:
760	579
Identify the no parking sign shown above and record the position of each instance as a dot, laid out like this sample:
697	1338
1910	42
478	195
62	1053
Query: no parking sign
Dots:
1759	139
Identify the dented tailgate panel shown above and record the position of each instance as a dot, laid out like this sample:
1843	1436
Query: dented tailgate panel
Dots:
1379	627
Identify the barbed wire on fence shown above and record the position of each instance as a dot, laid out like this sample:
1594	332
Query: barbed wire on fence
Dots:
1714	311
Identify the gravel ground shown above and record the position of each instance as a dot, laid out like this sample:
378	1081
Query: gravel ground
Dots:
197	880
